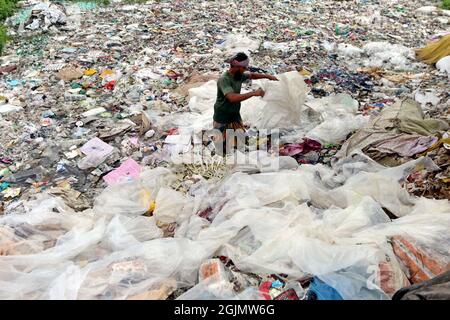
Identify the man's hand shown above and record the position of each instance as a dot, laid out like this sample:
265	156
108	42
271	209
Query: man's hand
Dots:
259	93
271	77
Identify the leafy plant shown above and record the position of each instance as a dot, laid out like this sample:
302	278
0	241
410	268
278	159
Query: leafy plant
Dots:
446	4
7	8
3	38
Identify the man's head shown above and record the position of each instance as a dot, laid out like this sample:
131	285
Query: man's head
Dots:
238	65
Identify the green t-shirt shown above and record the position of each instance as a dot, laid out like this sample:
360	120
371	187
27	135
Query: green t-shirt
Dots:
224	111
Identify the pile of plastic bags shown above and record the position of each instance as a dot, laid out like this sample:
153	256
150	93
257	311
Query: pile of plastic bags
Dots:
255	225
326	222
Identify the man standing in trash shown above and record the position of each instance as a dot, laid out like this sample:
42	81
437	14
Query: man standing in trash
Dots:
228	103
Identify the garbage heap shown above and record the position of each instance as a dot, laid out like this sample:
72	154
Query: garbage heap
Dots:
110	190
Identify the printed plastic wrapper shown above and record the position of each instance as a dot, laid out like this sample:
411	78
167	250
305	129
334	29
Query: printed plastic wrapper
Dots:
129	169
212	268
422	263
210	289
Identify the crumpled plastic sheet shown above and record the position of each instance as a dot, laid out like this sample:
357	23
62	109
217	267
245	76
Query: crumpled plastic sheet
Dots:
97	254
405	116
50	13
405	145
349	50
376	54
307	233
280	46
313	220
235	43
427	97
387	55
339	118
443	65
282	103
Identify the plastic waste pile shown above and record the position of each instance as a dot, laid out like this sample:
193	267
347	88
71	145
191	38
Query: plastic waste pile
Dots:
110	189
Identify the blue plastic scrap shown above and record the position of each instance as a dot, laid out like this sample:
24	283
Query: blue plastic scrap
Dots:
13	83
319	290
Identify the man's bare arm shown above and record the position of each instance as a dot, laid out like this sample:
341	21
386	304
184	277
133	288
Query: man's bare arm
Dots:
256	76
238	97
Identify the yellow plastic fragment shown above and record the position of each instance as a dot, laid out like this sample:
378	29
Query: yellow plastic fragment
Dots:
106	72
90	72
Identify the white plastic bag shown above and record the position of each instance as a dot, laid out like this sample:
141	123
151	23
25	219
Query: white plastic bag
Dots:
235	43
443	65
282	103
172	206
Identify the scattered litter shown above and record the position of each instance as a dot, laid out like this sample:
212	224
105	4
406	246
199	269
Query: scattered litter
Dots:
129	169
112	188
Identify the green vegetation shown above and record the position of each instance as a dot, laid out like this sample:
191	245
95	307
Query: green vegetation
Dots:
3	38
7	8
446	4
